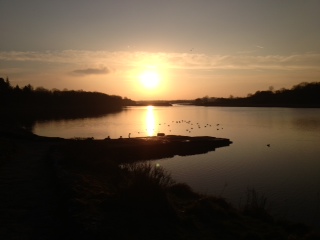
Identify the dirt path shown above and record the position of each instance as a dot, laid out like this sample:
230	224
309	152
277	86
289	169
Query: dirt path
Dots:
29	204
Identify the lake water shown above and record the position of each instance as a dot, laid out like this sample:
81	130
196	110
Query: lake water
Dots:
287	172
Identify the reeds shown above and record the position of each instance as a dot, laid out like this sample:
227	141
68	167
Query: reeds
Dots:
146	172
255	205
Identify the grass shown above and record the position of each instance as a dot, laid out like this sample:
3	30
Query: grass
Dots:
255	205
145	172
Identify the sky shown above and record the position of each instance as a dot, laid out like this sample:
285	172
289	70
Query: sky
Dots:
185	48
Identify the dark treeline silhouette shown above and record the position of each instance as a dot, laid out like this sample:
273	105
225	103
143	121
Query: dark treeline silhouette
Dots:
154	103
40	103
301	95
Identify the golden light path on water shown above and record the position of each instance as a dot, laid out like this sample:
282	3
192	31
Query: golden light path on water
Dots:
150	121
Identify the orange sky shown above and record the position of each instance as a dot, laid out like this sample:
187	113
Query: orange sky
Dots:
195	48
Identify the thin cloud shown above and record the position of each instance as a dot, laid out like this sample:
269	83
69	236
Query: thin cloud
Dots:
91	71
187	61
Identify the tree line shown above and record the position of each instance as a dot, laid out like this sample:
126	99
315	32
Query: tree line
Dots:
40	103
301	95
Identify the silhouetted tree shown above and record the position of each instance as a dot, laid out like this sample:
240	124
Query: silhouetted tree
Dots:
301	95
41	103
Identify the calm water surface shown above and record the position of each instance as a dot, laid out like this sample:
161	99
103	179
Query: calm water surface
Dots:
287	172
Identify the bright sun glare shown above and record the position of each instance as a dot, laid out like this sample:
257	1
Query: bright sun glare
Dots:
150	79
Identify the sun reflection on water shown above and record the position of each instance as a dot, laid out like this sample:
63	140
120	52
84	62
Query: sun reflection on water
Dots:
150	121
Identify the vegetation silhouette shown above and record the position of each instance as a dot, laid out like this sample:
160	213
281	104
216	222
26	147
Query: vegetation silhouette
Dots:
301	95
41	104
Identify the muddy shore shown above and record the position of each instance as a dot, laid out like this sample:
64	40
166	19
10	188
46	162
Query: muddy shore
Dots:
156	147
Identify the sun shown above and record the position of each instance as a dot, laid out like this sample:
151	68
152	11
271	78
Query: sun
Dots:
150	79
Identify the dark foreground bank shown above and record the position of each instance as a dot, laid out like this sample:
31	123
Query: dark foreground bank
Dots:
96	189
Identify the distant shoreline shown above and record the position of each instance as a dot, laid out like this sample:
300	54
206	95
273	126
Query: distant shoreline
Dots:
258	105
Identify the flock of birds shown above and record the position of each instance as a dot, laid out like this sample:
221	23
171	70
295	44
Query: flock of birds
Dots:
179	126
192	126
